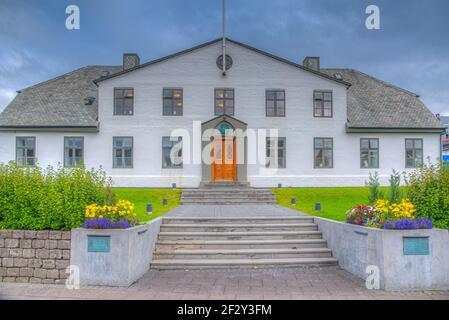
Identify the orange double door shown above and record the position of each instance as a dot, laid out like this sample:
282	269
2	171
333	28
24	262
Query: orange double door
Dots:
224	165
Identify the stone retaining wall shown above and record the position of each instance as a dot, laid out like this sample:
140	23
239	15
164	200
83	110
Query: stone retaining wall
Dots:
34	256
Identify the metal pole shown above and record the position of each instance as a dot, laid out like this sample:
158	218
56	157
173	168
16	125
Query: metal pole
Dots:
224	36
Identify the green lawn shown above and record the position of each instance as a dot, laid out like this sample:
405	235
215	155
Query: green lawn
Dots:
140	198
334	201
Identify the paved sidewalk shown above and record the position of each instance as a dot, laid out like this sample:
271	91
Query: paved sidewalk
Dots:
271	284
226	211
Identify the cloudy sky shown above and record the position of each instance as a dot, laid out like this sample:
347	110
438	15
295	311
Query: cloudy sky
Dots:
411	50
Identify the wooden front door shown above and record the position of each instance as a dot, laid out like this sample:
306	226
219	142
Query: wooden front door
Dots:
224	166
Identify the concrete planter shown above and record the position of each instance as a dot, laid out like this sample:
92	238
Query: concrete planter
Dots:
400	267
116	257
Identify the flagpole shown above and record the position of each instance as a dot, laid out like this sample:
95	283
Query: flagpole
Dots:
224	36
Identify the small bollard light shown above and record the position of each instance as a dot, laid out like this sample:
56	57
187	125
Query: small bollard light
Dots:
164	202
149	208
294	201
317	206
279	185
173	185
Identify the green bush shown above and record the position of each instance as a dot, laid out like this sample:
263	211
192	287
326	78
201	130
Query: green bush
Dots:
374	188
428	190
35	198
394	193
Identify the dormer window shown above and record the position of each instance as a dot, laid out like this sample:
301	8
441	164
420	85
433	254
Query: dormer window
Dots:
124	102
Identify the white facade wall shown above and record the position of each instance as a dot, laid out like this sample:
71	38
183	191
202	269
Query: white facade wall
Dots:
250	76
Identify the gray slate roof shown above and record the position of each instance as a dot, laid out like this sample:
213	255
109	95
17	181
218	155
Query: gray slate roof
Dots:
58	102
373	103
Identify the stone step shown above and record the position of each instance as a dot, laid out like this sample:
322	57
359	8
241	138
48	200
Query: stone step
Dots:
247	235
227	201
166	254
241	244
184	227
239	220
240	263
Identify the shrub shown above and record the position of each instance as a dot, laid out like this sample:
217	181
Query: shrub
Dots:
428	190
36	198
374	188
394	192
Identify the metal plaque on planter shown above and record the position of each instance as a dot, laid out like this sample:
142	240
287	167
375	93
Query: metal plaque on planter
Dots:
416	246
98	244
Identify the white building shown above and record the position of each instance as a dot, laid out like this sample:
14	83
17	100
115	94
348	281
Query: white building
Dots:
334	126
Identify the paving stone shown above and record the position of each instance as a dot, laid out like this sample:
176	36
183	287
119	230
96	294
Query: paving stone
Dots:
54	235
20	262
42	253
2	243
13	272
42	234
48	281
48	264
15	252
38	244
66	254
26	272
29	234
8	262
2	271
11	243
66	235
25	243
64	244
53	274
55	254
51	244
18	234
9	279
4	253
29	253
62	264
40	273
35	263
35	280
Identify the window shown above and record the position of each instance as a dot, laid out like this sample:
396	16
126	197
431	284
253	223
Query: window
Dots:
369	153
123	152
275	103
123	102
322	104
276	152
323	152
26	151
171	152
224	101
413	153
172	102
73	151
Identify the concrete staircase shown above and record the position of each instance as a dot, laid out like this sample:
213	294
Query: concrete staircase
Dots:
242	242
227	195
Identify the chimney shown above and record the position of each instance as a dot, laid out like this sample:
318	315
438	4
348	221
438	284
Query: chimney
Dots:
312	63
130	60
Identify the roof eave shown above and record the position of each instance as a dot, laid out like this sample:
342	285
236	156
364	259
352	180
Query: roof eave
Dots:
46	128
359	129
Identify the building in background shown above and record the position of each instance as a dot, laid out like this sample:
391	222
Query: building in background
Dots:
445	138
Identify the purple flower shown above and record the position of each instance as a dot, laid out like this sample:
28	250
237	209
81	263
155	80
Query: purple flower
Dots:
407	224
105	223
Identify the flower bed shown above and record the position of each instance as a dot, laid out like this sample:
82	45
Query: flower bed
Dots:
386	215
120	216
